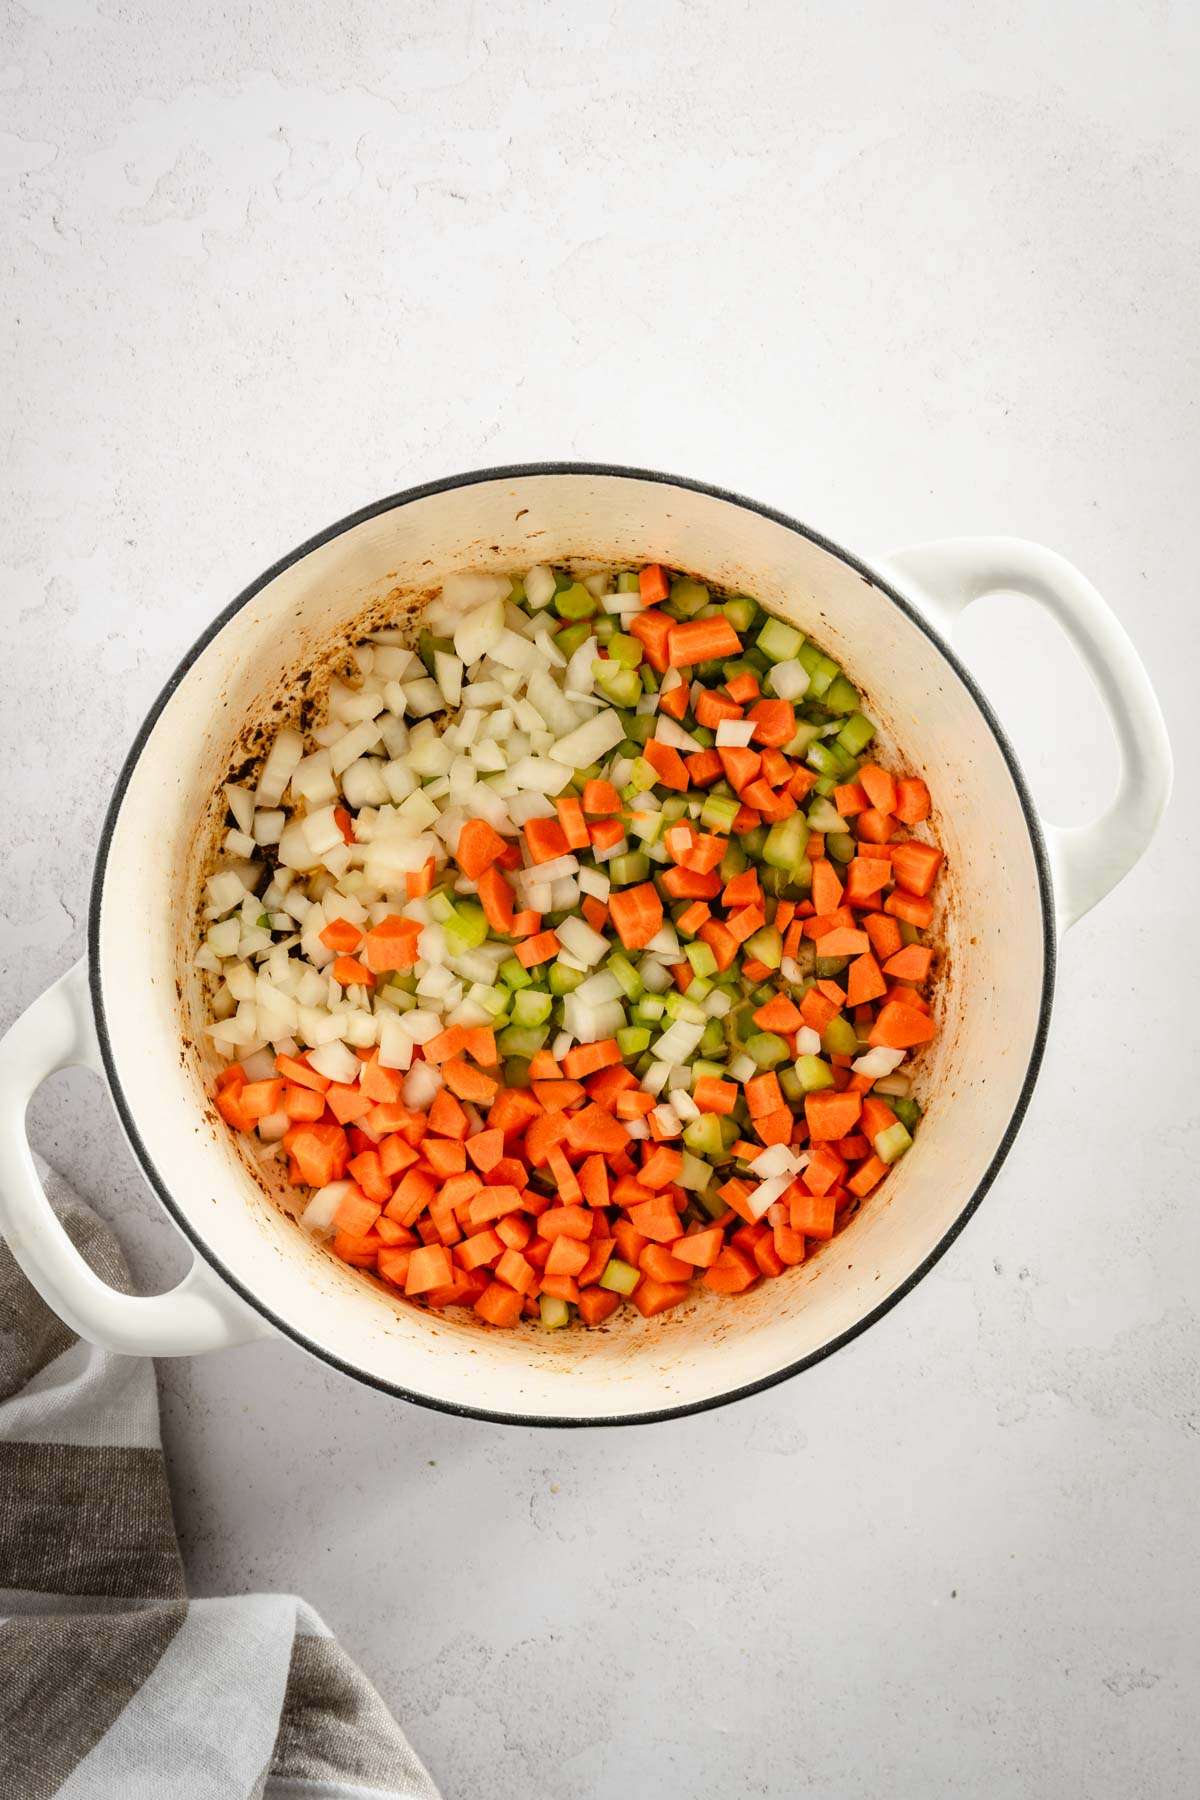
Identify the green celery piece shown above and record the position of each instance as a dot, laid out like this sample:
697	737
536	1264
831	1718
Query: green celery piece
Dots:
909	933
633	1039
650	679
630	867
618	964
468	927
619	1277
702	1066
767	1050
627	583
515	1070
821	758
674	807
826	967
688	596
856	734
678	1006
741	612
574	602
790	1084
841	696
648	827
847	765
805	734
711	1201
625	649
701	958
648	1009
839	1037
825	784
713	1040
741	666
428	645
408	983
718	813
563	980
555	1312
779	642
562	580
840	846
531	1008
641	779
699	987
906	1109
264	921
522	1040
891	1143
703	736
604	628
441	905
825	818
785	842
516	590
621	685
734	860
703	1135
570	637
813	1074
822	678
767	945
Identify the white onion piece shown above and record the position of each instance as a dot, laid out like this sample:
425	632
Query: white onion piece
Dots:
790	680
879	1061
734	733
589	742
335	1062
318	1215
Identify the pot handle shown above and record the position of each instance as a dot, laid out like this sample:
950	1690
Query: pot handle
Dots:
201	1313
944	578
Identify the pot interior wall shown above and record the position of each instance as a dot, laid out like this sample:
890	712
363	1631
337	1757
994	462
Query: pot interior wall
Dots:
991	925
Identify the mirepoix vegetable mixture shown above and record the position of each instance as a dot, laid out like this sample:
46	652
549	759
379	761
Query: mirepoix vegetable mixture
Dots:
578	957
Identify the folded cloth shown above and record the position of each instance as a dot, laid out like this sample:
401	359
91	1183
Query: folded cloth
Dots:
113	1684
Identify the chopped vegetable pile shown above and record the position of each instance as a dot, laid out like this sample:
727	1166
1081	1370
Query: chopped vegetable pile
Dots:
576	957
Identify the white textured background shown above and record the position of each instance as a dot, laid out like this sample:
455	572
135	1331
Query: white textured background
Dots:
904	271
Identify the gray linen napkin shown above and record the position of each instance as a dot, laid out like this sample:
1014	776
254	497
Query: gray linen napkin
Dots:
113	1684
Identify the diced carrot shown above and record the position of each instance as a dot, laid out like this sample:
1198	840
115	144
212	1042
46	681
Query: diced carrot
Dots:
667	764
911	963
850	798
341	934
874	827
654	584
779	1014
573	1221
445	1044
637	914
702	766
446	1116
674	701
653	1297
514	1230
597	1304
260	1098
652	629
701	640
496	898
789	1244
571	819
445	1156
713	1095
479	844
356	1213
600	799
743	688
559	1096
700	1249
537	949
712	707
594	1129
468	1083
763	1094
912	908
915	866
545	839
419	882
732	1273
319	1151
879	786
393	1263
813	1214
429	1267
606	834
901	1027
843	942
412	1195
720	941
498	1304
661	1167
688	884
587	1059
830	1114
542	1133
912	800
884	934
742	890
825	1171
705	854
693	917
302	1103
817	1010
774	722
392	944
511	1111
491	1203
864	981
484	1247
568	1256
740	765
865	877
348	971
826	888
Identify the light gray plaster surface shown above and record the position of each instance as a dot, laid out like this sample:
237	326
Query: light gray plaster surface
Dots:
905	272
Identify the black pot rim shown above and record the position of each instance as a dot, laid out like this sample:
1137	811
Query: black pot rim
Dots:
524	471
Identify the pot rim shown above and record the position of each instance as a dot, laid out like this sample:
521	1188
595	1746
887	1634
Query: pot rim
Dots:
520	471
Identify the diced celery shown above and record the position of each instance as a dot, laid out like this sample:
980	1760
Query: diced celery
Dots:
734	859
839	1037
790	1084
625	649
516	590
574	602
621	685
642	778
805	734
522	1040
841	696
619	1277
767	946
785	842
622	969
408	983
515	1070
674	807
825	967
563	980
714	1035
824	817
822	677
767	1049
813	1074
741	612
840	846
562	580
570	637
711	1201
468	928
649	678
891	1143
648	827
627	583
688	596
718	813
555	1312
701	958
632	866
604	628
531	1008
779	641
633	1039
648	1009
907	1110
703	1135
699	987
428	645
702	1066
909	933
678	1006
856	734
821	758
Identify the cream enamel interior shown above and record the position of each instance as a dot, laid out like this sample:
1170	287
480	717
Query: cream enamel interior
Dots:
992	927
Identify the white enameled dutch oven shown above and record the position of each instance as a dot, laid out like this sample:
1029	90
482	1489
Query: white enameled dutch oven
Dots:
134	1010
